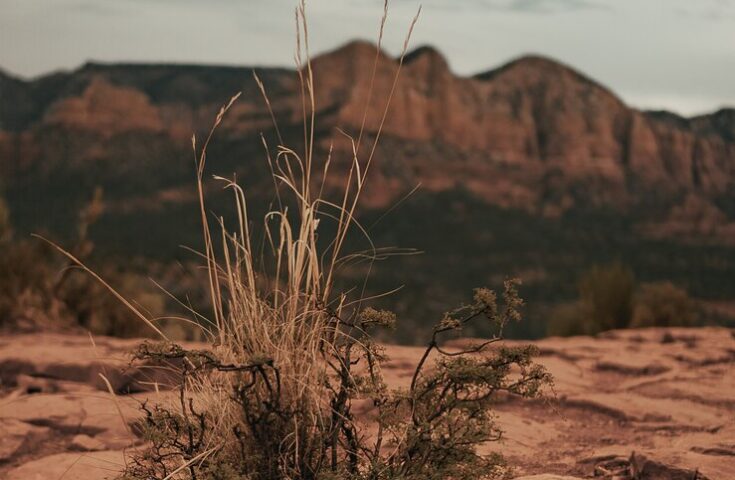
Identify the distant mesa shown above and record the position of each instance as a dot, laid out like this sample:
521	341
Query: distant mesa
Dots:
533	134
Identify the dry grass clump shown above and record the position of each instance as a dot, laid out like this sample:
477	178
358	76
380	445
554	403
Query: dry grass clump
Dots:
290	359
258	419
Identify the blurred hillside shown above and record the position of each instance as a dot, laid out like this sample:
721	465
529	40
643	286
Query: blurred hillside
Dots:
529	170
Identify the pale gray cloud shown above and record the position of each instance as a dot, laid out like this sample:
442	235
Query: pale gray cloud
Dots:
714	11
522	6
548	6
674	54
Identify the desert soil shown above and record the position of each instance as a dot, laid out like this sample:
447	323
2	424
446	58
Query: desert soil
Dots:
652	404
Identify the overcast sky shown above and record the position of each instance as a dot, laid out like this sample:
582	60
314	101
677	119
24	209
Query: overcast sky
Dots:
673	54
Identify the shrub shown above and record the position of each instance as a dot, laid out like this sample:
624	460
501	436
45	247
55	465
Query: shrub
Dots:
93	308
605	302
609	298
33	297
608	294
253	420
25	286
663	304
571	319
40	291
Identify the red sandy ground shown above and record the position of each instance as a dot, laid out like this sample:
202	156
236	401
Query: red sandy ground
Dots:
666	394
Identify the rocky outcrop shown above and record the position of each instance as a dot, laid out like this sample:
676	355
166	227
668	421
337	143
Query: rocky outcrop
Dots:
561	129
105	109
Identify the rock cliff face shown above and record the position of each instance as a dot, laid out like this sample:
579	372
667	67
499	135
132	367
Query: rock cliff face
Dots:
533	134
563	132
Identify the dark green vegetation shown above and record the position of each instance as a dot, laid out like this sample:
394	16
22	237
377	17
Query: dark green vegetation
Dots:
549	255
610	298
41	291
467	243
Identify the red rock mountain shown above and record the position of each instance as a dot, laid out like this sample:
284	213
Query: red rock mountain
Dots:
530	127
533	133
